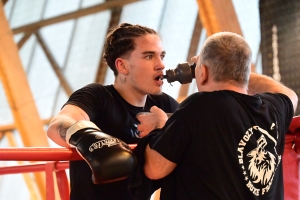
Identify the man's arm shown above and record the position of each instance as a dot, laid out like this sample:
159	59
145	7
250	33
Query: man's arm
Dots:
149	121
261	83
156	166
73	123
61	122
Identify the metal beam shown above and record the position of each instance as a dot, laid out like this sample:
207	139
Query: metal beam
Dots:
73	15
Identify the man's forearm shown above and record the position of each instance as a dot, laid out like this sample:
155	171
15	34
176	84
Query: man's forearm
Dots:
62	128
260	83
156	166
58	128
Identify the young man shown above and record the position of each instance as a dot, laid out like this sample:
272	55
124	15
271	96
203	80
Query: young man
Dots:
135	54
227	140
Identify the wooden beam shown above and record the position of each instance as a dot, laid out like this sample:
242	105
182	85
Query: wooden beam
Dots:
218	15
4	2
184	88
25	37
102	67
11	127
63	81
20	99
26	176
17	89
73	15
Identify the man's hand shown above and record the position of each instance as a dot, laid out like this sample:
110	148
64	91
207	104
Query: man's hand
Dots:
149	121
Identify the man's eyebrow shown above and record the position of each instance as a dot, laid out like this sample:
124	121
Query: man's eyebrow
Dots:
153	52
148	52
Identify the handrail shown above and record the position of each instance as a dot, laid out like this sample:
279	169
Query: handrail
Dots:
41	153
38	154
57	160
32	167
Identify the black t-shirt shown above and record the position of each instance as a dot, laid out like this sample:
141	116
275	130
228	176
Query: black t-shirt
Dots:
114	116
226	145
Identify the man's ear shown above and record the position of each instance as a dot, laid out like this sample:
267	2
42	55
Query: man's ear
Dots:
122	66
203	74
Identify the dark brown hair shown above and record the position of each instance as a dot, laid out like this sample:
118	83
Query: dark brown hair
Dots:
120	41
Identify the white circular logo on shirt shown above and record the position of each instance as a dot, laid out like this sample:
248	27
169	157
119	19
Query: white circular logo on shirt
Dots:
258	163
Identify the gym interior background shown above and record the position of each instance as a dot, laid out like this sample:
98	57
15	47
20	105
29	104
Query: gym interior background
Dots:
50	48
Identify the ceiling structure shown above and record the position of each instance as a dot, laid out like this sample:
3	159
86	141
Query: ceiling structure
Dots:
212	17
51	48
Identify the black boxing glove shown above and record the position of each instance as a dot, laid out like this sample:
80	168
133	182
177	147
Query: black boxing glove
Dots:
109	158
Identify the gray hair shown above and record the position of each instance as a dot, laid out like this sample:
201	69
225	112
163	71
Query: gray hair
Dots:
228	58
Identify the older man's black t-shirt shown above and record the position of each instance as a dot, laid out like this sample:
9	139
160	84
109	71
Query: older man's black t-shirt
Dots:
226	145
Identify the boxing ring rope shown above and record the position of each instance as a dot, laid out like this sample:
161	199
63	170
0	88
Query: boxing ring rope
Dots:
57	161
